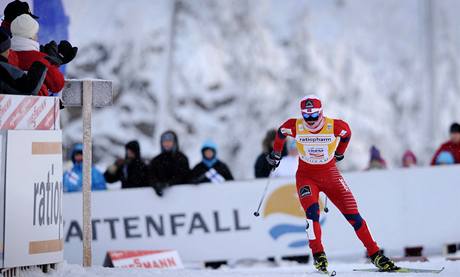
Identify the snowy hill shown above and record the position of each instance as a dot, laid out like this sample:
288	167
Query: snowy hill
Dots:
230	70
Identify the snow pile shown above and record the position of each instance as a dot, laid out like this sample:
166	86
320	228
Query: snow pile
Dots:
230	70
292	270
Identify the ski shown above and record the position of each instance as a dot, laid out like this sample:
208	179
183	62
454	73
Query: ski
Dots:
328	273
402	270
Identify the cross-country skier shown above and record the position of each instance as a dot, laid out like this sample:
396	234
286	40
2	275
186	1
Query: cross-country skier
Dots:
321	141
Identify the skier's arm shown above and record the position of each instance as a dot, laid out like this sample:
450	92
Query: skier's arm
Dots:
342	130
287	129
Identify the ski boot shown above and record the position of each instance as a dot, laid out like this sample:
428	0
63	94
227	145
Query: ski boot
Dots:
382	262
320	262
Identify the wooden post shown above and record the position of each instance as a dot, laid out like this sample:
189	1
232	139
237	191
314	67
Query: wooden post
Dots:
87	94
87	162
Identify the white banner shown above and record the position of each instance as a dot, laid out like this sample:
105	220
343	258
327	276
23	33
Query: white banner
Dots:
33	204
213	222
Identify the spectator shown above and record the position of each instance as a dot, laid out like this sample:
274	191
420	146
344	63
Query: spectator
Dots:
12	79
452	146
169	168
444	158
24	43
288	165
73	178
376	161
131	171
13	10
210	169
262	167
409	159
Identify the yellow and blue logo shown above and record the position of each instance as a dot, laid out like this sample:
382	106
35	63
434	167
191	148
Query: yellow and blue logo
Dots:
284	201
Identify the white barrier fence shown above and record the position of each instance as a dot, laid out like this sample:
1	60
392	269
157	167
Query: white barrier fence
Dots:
215	222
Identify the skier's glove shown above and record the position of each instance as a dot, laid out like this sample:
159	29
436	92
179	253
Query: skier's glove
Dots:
67	51
273	159
338	157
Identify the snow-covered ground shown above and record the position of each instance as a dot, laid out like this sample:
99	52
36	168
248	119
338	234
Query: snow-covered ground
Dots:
287	269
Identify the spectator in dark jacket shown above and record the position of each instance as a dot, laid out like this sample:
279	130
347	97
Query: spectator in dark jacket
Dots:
452	146
210	169
12	79
169	168
262	167
131	171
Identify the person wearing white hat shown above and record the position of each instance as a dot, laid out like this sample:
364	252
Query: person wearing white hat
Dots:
24	29
14	80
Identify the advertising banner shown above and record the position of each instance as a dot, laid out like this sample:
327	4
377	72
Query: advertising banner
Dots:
212	222
161	259
29	112
33	232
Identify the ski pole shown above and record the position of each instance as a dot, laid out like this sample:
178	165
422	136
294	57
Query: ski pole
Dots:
326	209
256	213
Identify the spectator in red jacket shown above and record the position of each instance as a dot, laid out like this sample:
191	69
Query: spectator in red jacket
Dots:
24	42
409	159
452	146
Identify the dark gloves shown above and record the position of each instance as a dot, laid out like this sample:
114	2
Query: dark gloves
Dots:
159	188
338	157
274	159
51	49
67	51
59	54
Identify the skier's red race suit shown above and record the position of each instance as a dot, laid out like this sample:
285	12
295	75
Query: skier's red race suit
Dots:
317	172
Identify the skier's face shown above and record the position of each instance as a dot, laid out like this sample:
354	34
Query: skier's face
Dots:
311	118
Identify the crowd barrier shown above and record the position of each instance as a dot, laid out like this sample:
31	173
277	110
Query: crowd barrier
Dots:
210	222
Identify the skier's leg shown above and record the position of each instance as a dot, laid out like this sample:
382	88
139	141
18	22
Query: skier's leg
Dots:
308	195
339	193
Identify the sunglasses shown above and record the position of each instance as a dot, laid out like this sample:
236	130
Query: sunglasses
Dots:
311	116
